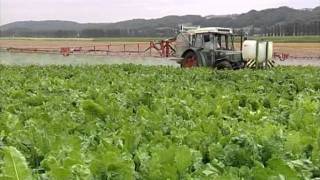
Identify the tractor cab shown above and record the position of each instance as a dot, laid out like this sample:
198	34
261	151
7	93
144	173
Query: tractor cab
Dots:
213	47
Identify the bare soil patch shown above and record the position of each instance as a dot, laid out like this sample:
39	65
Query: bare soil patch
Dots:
299	50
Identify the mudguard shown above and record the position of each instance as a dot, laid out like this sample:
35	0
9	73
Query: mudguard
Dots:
200	56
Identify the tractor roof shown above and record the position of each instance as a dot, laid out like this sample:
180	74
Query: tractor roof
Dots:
218	30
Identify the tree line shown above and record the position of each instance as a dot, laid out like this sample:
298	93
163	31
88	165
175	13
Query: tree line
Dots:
89	33
288	29
292	29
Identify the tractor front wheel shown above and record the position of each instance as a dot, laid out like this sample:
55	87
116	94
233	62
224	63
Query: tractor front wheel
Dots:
190	60
223	65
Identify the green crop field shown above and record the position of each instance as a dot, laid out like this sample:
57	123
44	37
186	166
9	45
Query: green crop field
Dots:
136	122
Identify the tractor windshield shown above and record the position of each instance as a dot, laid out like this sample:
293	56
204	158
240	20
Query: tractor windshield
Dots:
224	42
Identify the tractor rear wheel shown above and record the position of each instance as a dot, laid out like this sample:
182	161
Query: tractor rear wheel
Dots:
190	60
224	65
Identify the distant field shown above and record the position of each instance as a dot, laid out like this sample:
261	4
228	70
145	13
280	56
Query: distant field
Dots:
297	49
278	39
46	39
129	39
291	39
105	39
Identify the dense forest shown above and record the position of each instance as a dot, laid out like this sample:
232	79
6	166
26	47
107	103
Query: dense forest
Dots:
282	21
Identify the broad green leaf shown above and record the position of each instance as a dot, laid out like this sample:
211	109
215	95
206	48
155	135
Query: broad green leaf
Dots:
15	166
280	168
183	159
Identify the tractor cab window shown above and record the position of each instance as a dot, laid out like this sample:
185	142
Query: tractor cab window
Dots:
224	42
207	43
206	38
198	41
193	40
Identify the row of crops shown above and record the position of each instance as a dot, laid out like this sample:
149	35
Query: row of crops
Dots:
136	122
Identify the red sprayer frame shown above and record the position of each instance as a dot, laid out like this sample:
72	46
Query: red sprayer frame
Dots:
161	49
164	48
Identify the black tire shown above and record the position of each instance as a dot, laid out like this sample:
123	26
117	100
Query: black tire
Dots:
189	60
223	65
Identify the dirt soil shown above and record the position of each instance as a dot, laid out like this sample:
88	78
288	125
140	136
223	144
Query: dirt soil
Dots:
294	49
297	51
5	43
84	44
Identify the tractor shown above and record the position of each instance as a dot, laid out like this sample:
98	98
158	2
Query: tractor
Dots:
215	47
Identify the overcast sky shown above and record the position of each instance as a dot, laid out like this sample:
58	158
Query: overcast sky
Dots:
117	10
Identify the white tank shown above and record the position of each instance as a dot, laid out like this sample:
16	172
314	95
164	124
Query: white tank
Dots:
260	50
